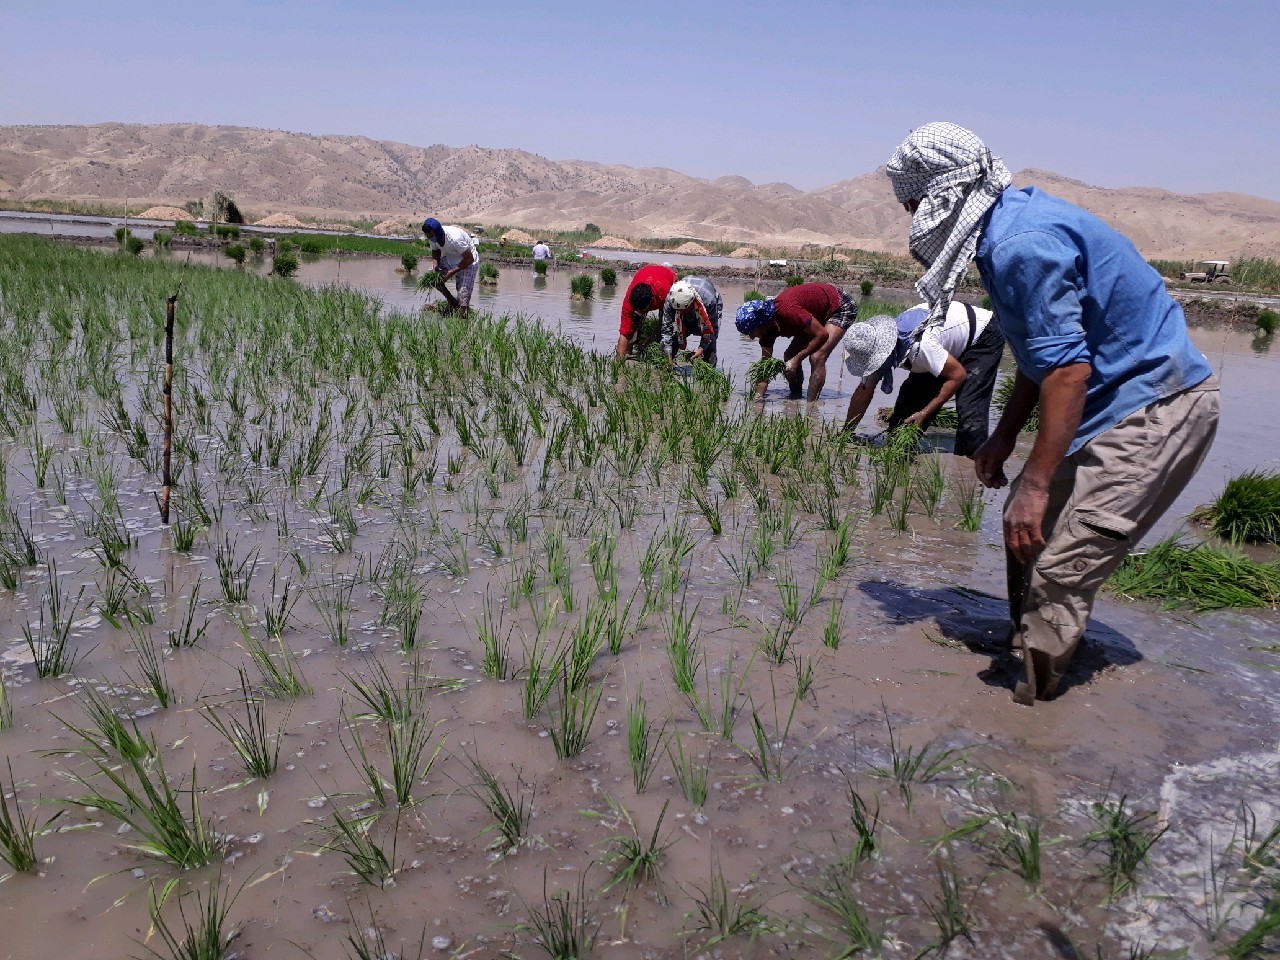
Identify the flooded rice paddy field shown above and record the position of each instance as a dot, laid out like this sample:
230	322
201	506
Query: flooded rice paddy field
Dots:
508	549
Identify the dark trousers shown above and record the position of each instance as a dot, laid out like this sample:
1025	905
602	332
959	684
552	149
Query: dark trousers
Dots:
981	362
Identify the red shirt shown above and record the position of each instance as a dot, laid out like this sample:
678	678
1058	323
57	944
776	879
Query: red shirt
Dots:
795	306
659	279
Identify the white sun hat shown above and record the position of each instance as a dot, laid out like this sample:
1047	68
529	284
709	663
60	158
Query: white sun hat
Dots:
869	343
682	294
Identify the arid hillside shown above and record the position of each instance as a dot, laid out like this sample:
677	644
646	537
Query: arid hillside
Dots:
270	171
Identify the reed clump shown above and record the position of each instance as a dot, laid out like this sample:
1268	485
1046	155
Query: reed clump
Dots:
582	286
764	370
608	277
1248	509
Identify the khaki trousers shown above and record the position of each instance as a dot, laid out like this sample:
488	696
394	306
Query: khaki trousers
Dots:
1103	500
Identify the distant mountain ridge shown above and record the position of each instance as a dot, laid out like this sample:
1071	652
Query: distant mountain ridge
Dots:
270	171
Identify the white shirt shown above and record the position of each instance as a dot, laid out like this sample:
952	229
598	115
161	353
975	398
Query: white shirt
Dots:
456	244
949	337
541	251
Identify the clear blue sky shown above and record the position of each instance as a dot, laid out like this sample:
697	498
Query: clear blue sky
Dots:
1128	92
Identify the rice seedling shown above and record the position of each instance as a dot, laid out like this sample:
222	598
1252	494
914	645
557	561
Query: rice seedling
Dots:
1126	836
6	704
18	830
1248	509
1201	577
234	575
721	717
205	935
851	930
972	505
690	772
709	504
497	646
930	484
582	286
683	650
540	268
187	634
563	926
572	715
1260	851
543	666
512	811
910	766
383	698
764	370
409	262
1268	321
608	276
1018	846
488	272
634	858
1263	936
49	643
767	757
332	600
278	669
107	733
256	746
644	740
372	860
831	630
865	822
284	264
723	913
407	745
950	912
153	809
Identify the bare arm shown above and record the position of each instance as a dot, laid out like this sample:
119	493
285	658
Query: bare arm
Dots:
468	259
817	340
953	376
859	401
1062	396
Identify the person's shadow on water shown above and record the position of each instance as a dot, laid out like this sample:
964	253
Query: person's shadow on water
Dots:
980	621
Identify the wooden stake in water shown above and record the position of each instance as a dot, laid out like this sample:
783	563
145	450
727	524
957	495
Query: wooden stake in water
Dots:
168	407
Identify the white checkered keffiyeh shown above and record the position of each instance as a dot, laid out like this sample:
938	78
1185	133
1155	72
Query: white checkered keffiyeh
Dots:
957	180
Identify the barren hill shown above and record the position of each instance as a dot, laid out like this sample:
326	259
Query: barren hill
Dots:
270	171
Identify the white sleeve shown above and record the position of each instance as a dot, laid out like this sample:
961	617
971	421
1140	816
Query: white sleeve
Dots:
931	357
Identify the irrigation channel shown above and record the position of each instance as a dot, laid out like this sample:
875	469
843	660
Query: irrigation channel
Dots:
547	648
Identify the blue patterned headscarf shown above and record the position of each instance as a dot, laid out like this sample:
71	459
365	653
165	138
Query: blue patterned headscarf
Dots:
752	314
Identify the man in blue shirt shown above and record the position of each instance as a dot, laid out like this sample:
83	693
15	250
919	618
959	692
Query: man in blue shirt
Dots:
1128	406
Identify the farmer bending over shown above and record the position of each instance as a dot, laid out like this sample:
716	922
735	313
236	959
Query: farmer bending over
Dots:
693	308
456	258
956	358
647	293
1128	406
815	317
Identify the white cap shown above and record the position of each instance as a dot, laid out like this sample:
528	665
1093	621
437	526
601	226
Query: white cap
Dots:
682	294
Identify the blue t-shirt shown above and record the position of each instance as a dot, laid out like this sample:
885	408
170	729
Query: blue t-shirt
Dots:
1066	288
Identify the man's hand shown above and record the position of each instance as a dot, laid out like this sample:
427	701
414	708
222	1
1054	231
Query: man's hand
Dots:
916	420
697	354
988	462
792	366
1024	521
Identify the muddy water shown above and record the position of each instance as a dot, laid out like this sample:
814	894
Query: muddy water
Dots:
1179	710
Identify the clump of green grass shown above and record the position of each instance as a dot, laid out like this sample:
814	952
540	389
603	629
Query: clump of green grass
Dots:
185	228
866	286
1268	321
488	272
764	370
540	267
163	239
910	766
134	245
608	277
257	245
409	262
582	286
1126	836
285	263
18	831
511	811
255	744
1248	509
722	913
644	740
430	280
794	280
752	295
235	252
1200	577
563	926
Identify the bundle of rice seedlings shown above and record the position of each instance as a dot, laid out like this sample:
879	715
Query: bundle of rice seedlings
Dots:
582	286
764	370
947	419
488	273
608	276
430	280
1200	576
1248	509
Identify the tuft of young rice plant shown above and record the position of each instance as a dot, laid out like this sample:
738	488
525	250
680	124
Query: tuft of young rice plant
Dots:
752	295
1248	509
1018	846
6	704
18	830
723	913
608	276
690	771
205	935
636	858
849	927
383	698
409	262
372	860
540	267
488	272
50	642
235	252
950	911
764	370
277	665
910	766
284	264
972	506
644	740
1126	836
572	715
234	575
512	812
147	801
188	634
582	286
1201	577
254	743
563	925
107	733
1268	321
